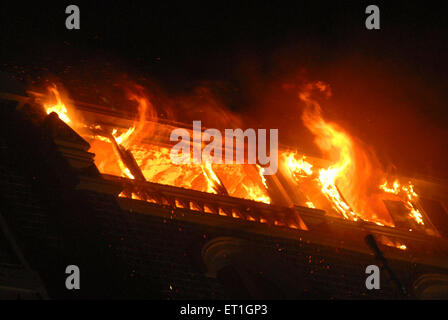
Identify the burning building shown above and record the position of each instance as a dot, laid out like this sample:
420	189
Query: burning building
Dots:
88	186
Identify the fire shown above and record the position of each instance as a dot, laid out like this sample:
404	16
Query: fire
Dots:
119	140
257	194
387	241
348	182
351	170
214	183
242	181
395	189
336	142
309	204
408	195
57	106
333	141
124	136
155	164
298	168
327	179
151	162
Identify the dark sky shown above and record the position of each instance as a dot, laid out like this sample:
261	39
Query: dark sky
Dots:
389	85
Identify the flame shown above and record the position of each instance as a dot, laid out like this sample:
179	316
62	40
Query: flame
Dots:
387	241
153	161
241	181
128	173
298	168
261	171
258	194
140	129
408	195
128	138
334	141
352	171
347	183
124	136
327	179
350	183
309	204
57	106
214	183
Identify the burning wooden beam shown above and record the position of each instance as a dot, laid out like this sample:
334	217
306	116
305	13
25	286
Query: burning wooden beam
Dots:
128	160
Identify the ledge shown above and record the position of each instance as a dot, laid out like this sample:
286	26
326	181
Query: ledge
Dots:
328	231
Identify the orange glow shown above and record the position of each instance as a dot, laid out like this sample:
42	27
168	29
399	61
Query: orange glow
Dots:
309	204
392	243
408	195
239	180
298	168
214	184
350	181
340	147
124	136
57	106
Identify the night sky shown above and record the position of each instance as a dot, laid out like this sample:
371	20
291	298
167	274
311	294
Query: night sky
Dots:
389	85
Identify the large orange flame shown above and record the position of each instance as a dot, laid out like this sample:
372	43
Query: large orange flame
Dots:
54	103
351	183
348	182
153	160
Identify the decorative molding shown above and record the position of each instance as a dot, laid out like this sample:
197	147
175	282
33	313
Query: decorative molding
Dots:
218	253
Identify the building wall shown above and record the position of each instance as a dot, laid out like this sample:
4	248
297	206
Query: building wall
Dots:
154	254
